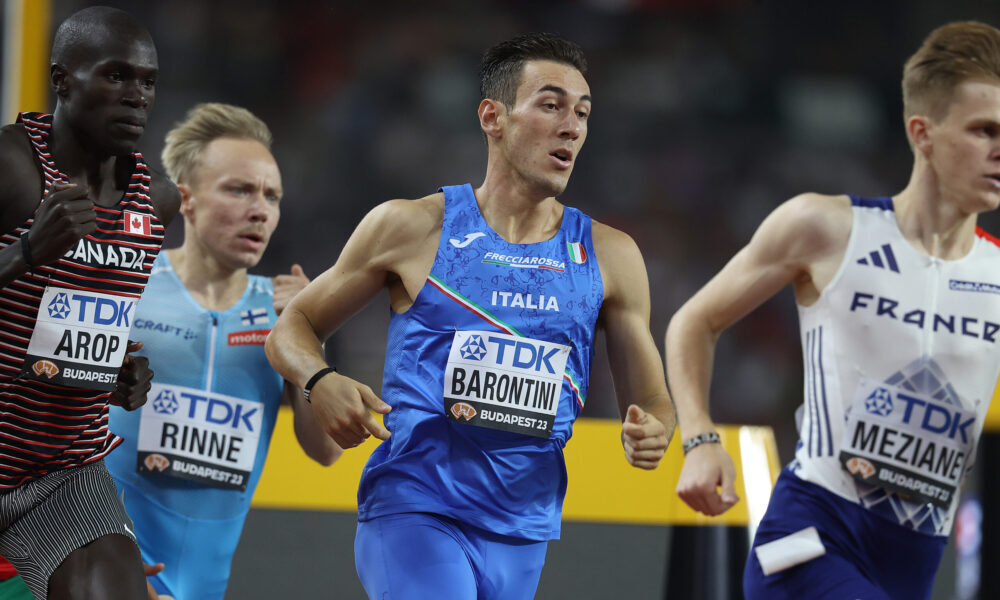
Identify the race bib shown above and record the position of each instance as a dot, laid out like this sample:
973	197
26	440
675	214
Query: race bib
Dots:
907	442
505	382
79	338
197	435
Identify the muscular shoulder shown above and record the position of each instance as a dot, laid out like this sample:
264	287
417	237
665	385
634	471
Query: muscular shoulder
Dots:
408	221
807	227
21	185
621	262
165	197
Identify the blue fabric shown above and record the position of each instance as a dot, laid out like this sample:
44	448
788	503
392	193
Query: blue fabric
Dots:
867	557
416	556
192	527
505	482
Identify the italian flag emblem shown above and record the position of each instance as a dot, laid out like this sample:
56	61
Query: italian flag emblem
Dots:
576	252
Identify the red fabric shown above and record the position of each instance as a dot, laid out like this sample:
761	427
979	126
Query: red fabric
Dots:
7	570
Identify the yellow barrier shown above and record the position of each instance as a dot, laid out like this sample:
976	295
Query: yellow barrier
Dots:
992	421
602	486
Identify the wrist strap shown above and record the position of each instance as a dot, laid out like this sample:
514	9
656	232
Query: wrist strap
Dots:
315	379
710	437
26	250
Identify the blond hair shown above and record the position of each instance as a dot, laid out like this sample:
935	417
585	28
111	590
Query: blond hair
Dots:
204	123
951	54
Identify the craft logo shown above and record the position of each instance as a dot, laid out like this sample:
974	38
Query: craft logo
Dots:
463	410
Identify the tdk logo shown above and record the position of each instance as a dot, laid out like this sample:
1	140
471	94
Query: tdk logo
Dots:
473	348
524	355
879	402
957	324
934	418
91	309
59	306
217	410
165	403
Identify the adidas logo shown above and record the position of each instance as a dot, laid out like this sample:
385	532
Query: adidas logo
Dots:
882	258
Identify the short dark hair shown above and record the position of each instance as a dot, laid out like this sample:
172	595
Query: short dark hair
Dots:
500	69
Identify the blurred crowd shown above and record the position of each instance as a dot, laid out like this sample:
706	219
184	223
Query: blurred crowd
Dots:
707	115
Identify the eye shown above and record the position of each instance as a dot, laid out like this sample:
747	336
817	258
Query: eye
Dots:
273	198
149	84
550	105
582	115
115	76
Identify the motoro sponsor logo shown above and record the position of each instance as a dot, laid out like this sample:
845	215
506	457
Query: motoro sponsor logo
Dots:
45	367
156	462
860	466
463	410
255	337
890	308
879	402
107	255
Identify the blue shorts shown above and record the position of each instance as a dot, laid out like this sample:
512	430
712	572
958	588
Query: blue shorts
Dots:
420	556
867	557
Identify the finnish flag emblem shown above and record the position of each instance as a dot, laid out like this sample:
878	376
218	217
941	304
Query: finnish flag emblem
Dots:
254	316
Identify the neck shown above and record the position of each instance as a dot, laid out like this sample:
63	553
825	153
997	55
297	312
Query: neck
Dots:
213	285
931	221
518	211
74	156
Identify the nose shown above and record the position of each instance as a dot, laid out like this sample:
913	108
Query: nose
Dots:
261	210
571	126
135	96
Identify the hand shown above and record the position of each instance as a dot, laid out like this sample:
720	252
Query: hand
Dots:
66	215
286	286
341	406
644	438
707	468
149	571
134	380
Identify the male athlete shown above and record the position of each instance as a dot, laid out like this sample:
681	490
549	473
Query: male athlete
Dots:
193	455
82	218
900	315
496	293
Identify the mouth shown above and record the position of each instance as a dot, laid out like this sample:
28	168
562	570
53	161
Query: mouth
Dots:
134	125
995	179
563	157
253	240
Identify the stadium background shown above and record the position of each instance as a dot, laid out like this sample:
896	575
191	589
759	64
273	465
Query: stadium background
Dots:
707	114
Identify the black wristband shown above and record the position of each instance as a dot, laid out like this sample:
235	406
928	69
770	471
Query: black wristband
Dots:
710	437
315	379
26	250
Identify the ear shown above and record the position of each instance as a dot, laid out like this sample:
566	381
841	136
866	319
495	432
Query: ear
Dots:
59	80
918	128
492	115
187	200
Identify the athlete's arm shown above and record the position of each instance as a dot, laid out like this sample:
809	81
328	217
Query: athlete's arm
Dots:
801	242
640	388
378	254
65	217
314	441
